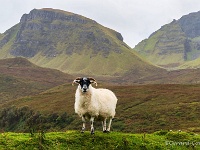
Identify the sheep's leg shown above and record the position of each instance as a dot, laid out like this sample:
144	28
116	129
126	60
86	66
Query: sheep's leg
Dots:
104	125
92	126
109	125
83	127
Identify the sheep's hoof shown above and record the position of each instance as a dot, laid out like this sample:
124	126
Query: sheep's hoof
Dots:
106	131
82	131
92	132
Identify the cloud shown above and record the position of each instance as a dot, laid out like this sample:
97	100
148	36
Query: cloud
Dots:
134	19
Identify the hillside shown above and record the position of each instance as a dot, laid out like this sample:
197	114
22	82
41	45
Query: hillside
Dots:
19	77
181	76
70	43
21	67
141	108
175	44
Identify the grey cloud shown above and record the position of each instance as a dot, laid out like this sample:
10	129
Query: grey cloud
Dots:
134	19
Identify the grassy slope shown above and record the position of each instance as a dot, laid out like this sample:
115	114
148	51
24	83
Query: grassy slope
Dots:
184	76
6	48
22	68
85	64
74	140
19	77
12	88
144	108
191	64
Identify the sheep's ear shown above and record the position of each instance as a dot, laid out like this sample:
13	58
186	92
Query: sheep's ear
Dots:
77	81
92	80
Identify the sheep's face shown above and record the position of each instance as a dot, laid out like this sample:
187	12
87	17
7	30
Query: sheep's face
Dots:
84	83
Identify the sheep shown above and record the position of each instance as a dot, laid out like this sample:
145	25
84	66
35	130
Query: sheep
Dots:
92	103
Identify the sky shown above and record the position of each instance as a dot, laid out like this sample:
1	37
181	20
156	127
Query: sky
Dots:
134	19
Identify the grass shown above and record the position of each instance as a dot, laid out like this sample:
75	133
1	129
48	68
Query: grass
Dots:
74	140
191	64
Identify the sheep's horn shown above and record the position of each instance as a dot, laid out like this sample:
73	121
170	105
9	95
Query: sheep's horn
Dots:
76	81
92	80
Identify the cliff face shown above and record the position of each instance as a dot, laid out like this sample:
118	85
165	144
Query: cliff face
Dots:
174	43
190	24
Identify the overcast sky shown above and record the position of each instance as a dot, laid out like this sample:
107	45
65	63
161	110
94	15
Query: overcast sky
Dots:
134	19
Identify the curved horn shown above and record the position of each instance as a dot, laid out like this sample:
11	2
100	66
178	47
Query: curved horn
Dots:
77	80
92	80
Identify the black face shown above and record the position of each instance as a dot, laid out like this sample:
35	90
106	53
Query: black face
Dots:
84	83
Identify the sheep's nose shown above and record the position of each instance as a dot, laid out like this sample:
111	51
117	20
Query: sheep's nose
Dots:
84	88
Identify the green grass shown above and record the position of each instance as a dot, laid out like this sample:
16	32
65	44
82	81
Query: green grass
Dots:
74	140
191	64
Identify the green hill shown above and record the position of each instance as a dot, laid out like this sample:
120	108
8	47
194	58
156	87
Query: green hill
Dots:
71	43
175	44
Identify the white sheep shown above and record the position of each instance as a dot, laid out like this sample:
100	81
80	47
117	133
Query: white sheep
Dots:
92	103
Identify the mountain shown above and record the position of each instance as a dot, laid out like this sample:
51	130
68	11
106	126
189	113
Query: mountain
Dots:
70	43
19	77
176	44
